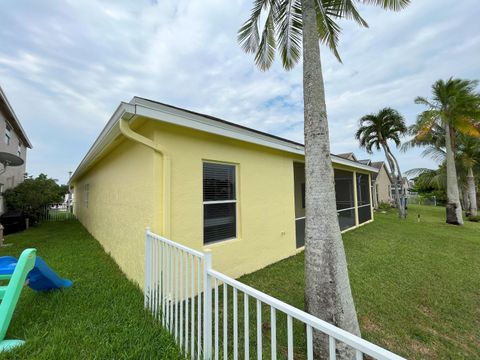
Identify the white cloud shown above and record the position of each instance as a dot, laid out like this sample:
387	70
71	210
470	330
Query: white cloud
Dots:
65	67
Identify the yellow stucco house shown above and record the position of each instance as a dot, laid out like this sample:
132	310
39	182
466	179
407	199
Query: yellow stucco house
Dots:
205	183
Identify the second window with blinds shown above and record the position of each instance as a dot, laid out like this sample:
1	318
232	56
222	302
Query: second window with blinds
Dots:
219	202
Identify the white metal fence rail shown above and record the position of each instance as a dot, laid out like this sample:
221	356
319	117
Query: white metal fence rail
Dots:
56	212
202	308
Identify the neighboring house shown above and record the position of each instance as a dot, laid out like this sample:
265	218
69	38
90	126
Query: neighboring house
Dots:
15	141
205	183
381	184
348	156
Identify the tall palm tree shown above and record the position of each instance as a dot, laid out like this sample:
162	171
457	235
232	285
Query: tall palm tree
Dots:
455	106
467	162
469	157
296	27
374	132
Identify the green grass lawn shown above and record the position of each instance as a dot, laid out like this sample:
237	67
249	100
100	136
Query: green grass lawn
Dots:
100	317
416	285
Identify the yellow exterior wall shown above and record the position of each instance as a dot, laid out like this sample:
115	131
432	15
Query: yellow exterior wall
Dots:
126	195
121	204
265	194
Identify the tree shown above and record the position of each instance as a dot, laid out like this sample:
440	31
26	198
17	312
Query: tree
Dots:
467	162
374	132
33	194
469	157
430	183
296	27
455	107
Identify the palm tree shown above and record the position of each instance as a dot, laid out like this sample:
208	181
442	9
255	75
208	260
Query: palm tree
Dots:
296	27
456	107
469	157
374	132
467	162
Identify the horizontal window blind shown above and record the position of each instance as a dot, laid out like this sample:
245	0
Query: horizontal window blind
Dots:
219	202
219	221
218	182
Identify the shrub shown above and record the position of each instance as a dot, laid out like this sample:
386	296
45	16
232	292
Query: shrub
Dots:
384	205
32	195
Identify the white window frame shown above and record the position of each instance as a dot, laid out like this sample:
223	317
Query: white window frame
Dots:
8	134
19	148
221	202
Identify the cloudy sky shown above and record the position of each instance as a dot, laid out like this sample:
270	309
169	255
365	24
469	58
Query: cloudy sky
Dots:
66	65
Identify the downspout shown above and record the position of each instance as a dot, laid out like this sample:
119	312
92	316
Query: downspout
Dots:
166	167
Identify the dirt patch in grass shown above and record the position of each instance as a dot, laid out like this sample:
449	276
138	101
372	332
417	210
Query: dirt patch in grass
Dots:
369	325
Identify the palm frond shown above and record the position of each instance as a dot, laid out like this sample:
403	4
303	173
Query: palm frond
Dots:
395	5
426	121
420	100
266	50
328	29
467	127
289	32
284	27
248	35
347	9
417	171
434	153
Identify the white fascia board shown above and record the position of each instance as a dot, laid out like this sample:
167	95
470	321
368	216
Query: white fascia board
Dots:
346	162
178	117
198	122
108	134
159	112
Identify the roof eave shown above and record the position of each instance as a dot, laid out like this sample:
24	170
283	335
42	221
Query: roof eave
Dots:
180	117
17	124
108	134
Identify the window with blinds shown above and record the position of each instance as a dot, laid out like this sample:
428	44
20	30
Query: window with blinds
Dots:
219	202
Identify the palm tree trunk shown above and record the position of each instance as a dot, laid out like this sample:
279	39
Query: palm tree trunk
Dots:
464	201
327	286
472	192
391	164
454	209
402	212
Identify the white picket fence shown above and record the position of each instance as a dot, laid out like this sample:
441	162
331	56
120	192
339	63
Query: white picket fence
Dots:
191	300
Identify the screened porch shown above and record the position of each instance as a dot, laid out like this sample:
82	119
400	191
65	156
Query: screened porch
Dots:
352	190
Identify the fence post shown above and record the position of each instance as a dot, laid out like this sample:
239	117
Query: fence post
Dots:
207	305
147	270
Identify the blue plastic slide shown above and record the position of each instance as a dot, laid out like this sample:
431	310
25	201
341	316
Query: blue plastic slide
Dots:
41	278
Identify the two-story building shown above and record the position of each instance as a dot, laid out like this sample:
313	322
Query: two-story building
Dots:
14	141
